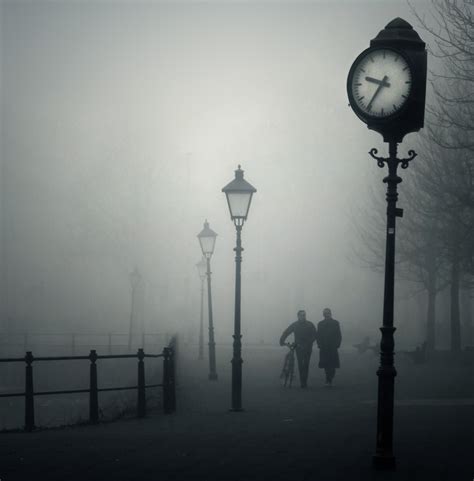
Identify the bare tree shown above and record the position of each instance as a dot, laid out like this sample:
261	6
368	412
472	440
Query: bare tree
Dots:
448	177
439	190
451	25
419	250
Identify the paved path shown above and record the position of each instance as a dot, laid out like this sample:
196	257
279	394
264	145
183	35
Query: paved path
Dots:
315	434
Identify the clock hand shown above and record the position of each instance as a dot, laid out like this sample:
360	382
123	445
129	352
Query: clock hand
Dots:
378	82
382	84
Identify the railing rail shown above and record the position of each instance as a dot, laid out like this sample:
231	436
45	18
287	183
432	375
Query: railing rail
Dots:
168	382
72	340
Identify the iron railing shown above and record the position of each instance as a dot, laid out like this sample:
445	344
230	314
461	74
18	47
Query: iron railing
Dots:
71	341
167	384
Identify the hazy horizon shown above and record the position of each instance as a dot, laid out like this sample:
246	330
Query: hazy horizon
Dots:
121	122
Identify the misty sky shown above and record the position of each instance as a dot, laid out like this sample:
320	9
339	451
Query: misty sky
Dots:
122	121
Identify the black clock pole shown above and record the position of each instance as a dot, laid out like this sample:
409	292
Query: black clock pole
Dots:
386	373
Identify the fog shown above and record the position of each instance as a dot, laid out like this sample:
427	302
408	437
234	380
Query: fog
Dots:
120	124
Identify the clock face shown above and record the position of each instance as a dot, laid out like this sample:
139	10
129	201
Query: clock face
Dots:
380	83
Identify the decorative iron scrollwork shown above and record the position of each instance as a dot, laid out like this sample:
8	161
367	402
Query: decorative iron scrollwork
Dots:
412	154
380	160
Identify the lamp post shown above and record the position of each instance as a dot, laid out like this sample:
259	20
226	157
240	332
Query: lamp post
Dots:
207	240
386	87
135	279
239	196
201	268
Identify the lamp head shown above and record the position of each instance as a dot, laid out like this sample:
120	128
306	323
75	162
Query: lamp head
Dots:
207	240
239	196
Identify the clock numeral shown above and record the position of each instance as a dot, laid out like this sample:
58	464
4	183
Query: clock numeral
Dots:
381	112
394	107
371	59
396	58
408	81
404	96
361	98
405	68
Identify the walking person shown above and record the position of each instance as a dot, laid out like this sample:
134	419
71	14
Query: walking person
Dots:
329	340
305	334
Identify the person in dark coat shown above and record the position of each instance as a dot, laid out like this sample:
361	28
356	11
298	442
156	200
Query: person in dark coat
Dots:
329	340
305	335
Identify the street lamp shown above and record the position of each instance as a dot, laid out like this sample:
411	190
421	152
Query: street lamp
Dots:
386	87
201	268
207	240
135	279
239	196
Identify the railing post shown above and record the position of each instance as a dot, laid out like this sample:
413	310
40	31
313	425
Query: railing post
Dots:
167	407
93	390
29	393
143	340
172	380
141	404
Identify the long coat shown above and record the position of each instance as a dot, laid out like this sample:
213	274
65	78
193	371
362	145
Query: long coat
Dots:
329	340
305	334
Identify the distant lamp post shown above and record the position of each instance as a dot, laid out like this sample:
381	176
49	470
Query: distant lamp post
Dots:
207	240
239	196
135	279
202	270
386	87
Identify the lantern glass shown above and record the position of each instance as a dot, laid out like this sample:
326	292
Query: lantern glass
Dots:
207	240
207	245
135	278
202	268
239	204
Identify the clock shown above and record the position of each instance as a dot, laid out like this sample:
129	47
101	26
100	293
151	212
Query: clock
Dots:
379	83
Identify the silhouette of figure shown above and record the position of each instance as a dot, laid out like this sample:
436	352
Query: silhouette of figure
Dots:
364	346
329	340
419	354
305	335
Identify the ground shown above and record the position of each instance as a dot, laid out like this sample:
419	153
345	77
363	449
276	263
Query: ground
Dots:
284	434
